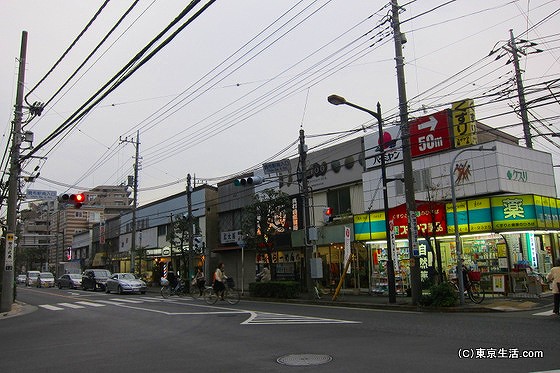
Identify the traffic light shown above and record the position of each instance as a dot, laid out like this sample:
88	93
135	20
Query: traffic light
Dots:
252	180
198	244
77	199
328	214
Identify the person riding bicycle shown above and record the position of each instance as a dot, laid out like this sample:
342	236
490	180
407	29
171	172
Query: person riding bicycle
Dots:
173	282
219	280
199	280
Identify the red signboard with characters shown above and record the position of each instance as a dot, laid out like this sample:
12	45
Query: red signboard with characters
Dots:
430	134
425	211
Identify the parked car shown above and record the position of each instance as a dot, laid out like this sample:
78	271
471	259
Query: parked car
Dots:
45	280
31	278
125	283
20	279
70	280
93	279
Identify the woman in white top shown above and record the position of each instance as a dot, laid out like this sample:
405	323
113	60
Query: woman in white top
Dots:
554	276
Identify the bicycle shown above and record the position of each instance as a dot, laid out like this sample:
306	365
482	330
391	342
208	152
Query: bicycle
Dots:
167	290
472	286
230	295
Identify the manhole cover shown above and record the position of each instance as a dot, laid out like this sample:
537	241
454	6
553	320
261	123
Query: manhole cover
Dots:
304	359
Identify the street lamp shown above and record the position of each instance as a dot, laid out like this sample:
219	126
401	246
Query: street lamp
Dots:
338	100
458	248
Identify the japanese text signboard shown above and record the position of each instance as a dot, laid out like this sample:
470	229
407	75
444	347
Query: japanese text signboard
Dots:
464	123
430	134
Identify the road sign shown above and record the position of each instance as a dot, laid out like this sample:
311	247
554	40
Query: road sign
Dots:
277	166
430	134
9	258
41	194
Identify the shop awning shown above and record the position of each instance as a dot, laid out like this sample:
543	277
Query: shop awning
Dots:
226	248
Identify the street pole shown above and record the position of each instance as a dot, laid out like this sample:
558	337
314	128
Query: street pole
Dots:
135	199
415	282
458	244
13	187
338	100
190	222
521	93
305	209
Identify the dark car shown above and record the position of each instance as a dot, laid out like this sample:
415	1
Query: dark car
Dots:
93	279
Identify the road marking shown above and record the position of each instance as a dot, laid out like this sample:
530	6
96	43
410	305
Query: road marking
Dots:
267	318
110	302
90	304
545	313
127	300
152	300
70	305
50	307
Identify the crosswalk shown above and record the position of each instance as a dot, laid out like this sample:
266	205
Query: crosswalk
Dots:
545	313
98	303
255	317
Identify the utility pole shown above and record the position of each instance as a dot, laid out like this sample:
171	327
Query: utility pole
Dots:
520	92
302	175
190	223
13	187
135	199
415	282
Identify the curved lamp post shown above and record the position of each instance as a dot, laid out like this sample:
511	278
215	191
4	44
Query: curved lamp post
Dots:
338	100
458	247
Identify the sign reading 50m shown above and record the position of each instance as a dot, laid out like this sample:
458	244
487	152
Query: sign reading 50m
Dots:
430	134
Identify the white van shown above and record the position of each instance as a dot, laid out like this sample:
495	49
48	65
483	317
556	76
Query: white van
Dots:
31	278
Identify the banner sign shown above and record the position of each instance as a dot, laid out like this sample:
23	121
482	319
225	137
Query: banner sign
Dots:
430	134
464	123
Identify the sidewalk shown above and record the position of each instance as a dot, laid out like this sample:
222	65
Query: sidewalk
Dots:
492	303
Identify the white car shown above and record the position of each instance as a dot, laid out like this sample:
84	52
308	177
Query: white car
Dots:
31	278
21	279
45	280
125	283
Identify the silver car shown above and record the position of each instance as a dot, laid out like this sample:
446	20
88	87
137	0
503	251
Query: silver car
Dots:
70	280
45	280
125	283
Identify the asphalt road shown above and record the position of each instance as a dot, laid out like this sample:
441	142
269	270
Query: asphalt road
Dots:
78	331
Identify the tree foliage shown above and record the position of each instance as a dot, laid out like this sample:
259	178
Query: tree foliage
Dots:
269	214
178	237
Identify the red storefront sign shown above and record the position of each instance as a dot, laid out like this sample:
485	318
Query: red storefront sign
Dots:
430	134
424	211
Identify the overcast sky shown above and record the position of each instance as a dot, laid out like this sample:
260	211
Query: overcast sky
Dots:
235	86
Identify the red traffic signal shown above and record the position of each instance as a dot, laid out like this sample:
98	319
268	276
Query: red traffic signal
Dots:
77	199
328	214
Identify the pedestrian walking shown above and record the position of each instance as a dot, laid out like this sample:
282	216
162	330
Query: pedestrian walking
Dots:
554	277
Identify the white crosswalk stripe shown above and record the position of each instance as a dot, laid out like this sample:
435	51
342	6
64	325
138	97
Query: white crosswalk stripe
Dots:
127	300
71	305
91	304
50	307
266	318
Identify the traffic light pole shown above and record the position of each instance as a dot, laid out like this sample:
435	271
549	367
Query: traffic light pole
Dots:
13	187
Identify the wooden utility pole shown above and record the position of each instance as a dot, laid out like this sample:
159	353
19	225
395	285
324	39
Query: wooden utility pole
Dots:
520	92
13	187
415	282
190	223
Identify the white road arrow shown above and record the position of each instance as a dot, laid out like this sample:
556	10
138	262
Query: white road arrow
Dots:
432	123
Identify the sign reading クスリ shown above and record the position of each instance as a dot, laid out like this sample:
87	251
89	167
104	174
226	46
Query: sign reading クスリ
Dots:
430	134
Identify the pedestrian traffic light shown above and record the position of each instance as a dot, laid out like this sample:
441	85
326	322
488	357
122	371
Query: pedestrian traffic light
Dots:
328	214
198	244
252	180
